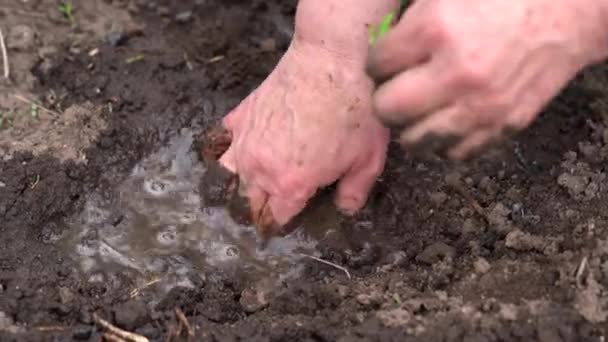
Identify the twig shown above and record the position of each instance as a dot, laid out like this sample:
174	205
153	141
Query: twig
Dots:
4	56
343	269
182	318
125	335
136	291
51	328
32	102
579	272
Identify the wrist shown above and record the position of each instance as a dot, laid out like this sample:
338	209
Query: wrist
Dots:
340	27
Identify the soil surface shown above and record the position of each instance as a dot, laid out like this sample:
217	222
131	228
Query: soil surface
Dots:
511	246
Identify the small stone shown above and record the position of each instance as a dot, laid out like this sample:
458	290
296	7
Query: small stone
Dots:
482	266
130	315
65	295
268	45
369	299
183	17
438	198
116	38
436	252
82	332
523	241
5	321
573	183
508	312
498	218
47	51
253	300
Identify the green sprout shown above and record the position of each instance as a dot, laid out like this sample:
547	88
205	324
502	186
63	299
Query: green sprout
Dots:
387	22
67	10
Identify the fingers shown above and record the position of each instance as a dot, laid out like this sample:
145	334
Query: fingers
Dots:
449	121
471	144
284	209
406	45
410	95
353	189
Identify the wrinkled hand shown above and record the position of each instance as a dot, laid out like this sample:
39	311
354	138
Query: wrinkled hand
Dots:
469	72
308	125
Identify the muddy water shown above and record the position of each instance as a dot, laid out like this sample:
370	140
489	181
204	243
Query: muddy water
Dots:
157	228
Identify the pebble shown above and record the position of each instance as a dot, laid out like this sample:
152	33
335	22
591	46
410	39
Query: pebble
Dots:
369	299
438	198
482	266
253	300
131	314
268	45
574	183
183	17
435	253
65	295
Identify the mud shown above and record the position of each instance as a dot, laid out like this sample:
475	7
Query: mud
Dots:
101	211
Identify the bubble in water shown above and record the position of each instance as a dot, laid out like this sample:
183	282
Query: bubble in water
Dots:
167	237
156	187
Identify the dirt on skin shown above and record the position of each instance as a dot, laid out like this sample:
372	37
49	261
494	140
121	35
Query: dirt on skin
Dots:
512	246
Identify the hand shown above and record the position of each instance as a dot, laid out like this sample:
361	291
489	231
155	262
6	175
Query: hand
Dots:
308	125
469	72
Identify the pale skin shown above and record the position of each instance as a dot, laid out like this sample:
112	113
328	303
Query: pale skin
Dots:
468	71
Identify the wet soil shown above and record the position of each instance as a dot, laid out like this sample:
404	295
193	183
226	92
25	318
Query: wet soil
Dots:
510	246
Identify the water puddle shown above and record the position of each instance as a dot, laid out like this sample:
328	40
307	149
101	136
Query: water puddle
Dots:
155	227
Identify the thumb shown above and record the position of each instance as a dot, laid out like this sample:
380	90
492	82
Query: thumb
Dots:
285	209
354	188
228	159
236	115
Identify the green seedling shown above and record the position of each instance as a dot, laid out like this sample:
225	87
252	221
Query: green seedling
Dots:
67	10
378	31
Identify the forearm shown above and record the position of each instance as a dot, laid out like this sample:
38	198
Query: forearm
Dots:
340	26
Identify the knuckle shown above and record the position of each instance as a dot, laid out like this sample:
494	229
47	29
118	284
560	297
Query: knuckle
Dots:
291	186
471	74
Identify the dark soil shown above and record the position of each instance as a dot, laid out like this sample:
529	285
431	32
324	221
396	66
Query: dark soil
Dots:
531	265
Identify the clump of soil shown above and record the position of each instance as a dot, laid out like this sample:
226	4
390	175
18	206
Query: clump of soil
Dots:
426	263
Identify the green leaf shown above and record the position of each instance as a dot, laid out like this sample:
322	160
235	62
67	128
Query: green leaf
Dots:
380	30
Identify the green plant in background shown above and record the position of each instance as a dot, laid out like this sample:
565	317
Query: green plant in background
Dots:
67	10
6	118
376	32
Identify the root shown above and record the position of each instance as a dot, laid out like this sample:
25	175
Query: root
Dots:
341	268
4	56
117	334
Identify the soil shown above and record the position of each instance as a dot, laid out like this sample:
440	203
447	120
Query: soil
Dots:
510	246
